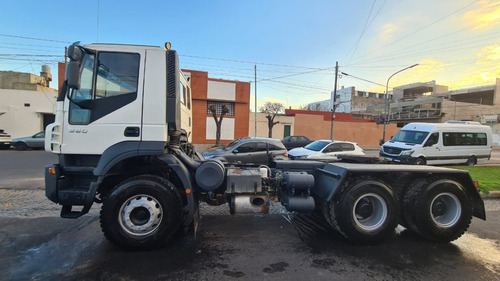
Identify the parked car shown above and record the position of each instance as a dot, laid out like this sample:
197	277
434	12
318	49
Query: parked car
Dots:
296	141
5	140
248	150
35	141
326	149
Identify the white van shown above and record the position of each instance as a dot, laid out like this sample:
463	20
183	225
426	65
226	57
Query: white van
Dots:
453	142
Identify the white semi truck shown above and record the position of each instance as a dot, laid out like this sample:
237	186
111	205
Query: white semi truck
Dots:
121	142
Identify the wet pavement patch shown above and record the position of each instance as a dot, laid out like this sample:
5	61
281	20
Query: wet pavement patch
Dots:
276	267
234	273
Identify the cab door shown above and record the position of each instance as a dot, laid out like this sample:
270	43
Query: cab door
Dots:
107	108
431	149
244	153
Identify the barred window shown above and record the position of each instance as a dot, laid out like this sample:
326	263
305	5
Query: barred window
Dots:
218	107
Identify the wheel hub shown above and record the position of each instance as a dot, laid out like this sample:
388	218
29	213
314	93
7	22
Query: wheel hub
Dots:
140	215
439	208
446	210
364	209
370	212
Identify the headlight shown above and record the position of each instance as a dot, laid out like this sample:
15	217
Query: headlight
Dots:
407	152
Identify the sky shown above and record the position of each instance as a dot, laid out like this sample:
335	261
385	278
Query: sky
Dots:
290	48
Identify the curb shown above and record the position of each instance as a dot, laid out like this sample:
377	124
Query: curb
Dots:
491	195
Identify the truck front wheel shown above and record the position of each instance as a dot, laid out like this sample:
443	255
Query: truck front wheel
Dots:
366	213
142	212
437	209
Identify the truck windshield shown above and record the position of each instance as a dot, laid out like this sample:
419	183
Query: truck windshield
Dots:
414	137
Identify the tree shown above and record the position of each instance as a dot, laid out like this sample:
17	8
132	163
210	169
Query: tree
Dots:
272	109
218	121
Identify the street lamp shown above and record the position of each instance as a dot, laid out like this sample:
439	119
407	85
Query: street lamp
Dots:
386	107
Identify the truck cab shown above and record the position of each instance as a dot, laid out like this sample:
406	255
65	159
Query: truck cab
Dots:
111	97
119	106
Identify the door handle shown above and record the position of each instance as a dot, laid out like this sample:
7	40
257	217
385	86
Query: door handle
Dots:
132	132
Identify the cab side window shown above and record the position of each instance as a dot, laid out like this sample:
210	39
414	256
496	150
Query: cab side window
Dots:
109	81
432	140
245	148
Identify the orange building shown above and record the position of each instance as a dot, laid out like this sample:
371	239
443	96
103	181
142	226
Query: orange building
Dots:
208	91
365	132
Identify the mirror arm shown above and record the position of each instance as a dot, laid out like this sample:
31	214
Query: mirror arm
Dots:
83	104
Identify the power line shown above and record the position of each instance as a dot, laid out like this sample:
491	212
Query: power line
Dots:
420	29
250	62
31	38
362	79
26	55
30	45
363	31
443	47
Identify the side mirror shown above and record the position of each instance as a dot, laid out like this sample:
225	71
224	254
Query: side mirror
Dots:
235	151
73	74
75	53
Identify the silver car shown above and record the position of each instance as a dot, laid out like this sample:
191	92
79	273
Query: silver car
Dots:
248	150
36	141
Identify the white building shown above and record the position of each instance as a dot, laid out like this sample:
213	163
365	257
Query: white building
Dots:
24	113
346	100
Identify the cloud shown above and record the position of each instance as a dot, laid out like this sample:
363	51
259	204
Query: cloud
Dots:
485	70
488	54
388	31
428	69
484	17
269	99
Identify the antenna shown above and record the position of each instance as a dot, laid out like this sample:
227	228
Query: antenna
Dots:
97	27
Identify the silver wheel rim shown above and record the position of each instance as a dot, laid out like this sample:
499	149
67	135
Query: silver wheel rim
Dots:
370	212
140	215
445	209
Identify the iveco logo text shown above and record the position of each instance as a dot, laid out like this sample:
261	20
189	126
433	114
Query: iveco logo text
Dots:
72	130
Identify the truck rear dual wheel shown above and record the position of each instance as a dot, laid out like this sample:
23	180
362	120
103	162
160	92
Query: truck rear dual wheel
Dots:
437	209
142	212
366	213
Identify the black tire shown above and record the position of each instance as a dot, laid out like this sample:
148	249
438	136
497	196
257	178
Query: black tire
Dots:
141	213
471	161
366	213
437	209
21	146
420	161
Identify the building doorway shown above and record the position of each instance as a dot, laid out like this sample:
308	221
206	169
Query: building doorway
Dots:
287	131
47	119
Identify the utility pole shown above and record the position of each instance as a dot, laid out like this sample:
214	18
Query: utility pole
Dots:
334	98
255	105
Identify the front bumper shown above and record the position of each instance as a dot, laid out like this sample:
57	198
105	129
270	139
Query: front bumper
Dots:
399	158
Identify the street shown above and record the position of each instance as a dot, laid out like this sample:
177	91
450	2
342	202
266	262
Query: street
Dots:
38	245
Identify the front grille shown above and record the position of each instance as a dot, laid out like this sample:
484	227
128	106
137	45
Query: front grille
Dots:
392	150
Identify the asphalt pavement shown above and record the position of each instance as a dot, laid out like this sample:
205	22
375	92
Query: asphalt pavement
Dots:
36	244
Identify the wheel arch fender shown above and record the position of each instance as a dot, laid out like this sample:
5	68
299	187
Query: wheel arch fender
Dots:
124	150
470	189
120	152
185	176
